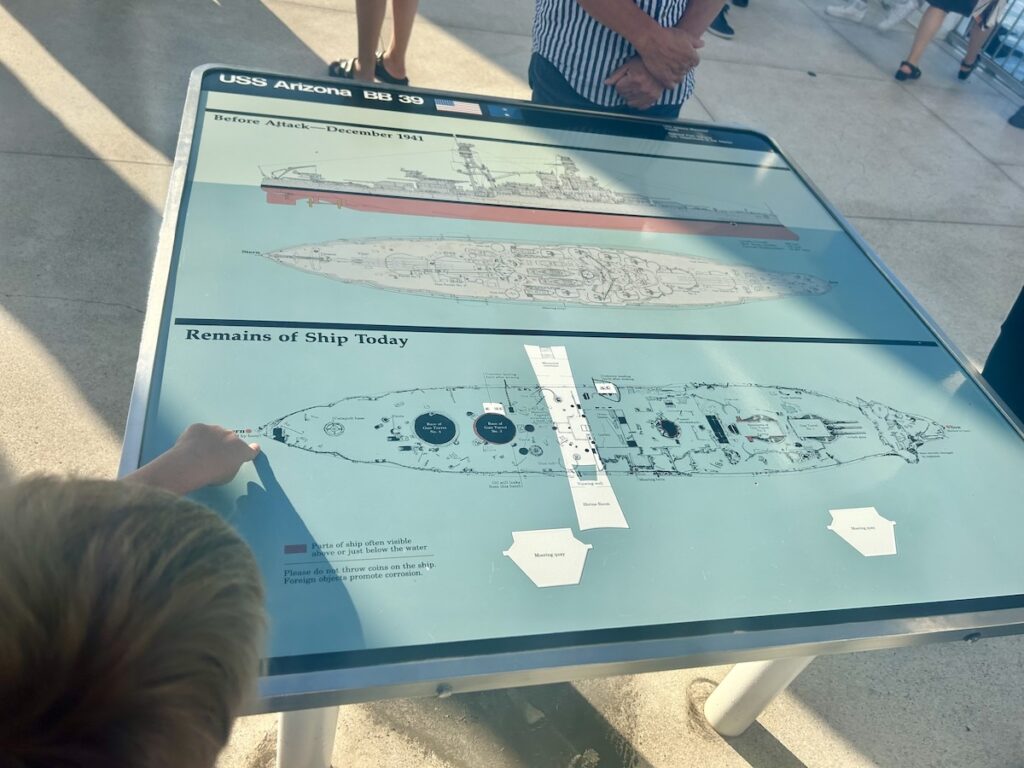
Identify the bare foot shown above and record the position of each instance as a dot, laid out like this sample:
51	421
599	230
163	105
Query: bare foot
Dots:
394	67
364	74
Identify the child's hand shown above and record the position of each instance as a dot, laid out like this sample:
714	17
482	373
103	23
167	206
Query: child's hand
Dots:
203	455
213	455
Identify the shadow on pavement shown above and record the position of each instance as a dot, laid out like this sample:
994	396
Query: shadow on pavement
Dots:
548	726
762	750
136	57
75	256
757	745
78	241
6	476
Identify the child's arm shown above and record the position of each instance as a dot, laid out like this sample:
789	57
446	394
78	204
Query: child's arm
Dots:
203	455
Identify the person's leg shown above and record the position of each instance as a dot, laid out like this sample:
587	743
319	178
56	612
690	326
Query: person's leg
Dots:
369	20
404	14
931	20
978	37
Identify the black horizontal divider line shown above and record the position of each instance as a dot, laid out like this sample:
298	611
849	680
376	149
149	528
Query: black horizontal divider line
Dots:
468	331
497	140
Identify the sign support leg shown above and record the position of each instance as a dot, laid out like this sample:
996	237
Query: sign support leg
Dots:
305	739
747	689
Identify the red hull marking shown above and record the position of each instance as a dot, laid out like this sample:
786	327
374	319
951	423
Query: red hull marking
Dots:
452	210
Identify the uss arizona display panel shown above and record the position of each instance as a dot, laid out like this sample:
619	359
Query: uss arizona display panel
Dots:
517	428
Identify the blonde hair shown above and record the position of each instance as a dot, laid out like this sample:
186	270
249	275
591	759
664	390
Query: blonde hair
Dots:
131	627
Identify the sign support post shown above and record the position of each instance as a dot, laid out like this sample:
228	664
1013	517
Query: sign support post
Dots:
305	738
747	690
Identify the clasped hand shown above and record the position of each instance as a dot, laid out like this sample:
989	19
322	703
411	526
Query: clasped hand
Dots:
663	61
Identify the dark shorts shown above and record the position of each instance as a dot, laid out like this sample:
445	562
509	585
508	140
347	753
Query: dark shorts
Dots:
550	87
963	7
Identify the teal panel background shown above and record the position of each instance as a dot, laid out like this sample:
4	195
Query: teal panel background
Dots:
221	274
697	547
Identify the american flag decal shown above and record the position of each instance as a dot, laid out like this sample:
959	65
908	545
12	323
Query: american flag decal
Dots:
450	105
295	549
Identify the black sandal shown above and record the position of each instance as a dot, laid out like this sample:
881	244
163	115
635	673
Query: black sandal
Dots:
913	74
343	68
966	69
382	74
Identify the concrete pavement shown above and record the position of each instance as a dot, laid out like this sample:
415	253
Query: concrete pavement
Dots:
929	172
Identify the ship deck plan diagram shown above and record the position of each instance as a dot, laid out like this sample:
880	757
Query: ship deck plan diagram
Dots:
556	428
528	380
482	270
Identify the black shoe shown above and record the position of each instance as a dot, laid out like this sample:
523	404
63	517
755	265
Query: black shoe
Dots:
740	3
720	27
912	72
344	68
382	74
966	69
1017	120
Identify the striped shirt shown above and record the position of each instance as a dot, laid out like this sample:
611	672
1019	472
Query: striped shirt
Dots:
586	52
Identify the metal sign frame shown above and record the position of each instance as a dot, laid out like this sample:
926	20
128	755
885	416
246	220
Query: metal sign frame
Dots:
439	670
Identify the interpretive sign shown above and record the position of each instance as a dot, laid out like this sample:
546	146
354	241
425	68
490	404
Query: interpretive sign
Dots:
544	393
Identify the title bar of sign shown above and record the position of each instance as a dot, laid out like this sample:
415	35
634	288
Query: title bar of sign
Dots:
348	93
363	96
313	90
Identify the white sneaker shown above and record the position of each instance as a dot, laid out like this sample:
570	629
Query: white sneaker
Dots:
897	13
853	10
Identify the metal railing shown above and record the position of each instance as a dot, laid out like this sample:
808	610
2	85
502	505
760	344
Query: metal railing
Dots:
1003	54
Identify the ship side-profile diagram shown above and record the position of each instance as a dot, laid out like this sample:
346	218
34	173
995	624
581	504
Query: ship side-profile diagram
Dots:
582	275
554	191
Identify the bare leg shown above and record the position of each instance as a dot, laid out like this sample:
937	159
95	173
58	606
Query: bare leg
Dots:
369	20
404	12
930	23
979	36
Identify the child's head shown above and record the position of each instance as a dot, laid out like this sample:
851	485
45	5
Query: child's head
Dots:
131	626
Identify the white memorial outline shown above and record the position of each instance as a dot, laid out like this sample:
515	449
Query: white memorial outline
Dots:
594	499
551	557
865	530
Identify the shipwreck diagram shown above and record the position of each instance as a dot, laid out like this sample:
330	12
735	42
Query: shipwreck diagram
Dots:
592	276
663	430
549	189
590	434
